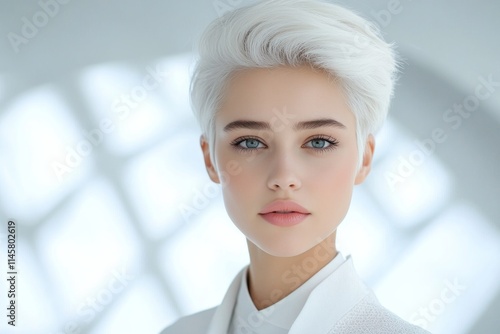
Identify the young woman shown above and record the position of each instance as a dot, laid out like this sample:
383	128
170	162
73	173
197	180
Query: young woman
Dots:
288	94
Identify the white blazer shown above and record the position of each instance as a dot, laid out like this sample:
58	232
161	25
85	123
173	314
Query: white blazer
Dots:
340	304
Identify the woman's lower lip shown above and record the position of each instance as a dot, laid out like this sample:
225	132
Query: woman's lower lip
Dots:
285	219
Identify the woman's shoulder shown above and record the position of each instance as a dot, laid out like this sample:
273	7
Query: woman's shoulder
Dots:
370	316
194	323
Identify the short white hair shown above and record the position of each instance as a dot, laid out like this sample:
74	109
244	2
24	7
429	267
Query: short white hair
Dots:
292	33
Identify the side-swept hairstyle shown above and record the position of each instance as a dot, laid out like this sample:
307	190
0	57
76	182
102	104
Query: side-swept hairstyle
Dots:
293	33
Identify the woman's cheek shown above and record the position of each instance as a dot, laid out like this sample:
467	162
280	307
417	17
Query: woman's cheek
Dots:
238	184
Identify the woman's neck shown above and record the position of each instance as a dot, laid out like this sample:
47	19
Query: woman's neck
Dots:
271	278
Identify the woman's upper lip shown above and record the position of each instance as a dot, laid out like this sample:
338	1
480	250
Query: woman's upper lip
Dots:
282	205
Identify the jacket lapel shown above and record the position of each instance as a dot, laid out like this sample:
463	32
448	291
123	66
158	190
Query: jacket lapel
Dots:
223	313
331	300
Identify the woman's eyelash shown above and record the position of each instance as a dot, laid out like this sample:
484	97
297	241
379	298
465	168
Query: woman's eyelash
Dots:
236	143
333	143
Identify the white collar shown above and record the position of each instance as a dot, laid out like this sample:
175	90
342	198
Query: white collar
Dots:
283	313
343	284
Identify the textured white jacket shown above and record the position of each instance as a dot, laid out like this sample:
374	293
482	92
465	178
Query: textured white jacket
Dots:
356	310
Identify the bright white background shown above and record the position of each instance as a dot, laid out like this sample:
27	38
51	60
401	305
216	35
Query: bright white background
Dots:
127	238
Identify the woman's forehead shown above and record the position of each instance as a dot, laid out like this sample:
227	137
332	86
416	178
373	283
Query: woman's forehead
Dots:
266	94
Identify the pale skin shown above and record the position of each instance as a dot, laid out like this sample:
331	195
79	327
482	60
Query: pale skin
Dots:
282	162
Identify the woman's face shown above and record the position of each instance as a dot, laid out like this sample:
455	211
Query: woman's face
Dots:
313	165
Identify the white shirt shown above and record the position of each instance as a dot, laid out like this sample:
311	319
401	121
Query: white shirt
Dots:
338	304
279	317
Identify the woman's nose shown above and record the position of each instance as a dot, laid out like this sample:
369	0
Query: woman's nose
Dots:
283	173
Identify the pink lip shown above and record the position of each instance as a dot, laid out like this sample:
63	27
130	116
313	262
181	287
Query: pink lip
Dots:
285	219
284	213
281	205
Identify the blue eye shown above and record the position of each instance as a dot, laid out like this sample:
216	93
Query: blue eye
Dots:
251	144
319	144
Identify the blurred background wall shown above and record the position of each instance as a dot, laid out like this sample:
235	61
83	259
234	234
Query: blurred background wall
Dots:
120	229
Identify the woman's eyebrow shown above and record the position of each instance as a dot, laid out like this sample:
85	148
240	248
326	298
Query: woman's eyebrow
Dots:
306	125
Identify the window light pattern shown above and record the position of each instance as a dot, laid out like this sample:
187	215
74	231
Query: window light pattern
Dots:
134	229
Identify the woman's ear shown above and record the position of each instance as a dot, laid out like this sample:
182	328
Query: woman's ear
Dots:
212	172
367	160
